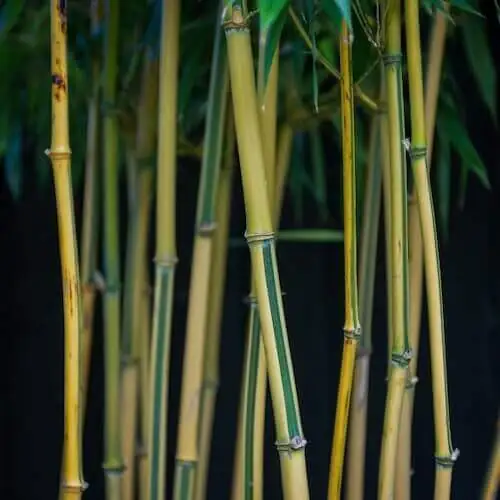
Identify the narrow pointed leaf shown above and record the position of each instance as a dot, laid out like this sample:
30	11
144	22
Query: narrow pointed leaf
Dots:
337	11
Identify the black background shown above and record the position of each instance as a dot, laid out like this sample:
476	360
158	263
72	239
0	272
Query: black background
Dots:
312	276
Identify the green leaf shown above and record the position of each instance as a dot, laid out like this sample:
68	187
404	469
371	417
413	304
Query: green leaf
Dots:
311	235
481	61
451	126
337	11
270	11
467	6
443	178
13	164
269	39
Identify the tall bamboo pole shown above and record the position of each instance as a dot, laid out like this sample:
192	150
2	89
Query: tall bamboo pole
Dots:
445	455
260	237
60	154
352	327
416	259
400	346
166	254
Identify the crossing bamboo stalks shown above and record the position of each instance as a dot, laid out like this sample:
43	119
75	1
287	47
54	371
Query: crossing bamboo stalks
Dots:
113	461
192	375
400	347
215	308
260	237
445	455
415	256
249	463
166	254
492	480
369	234
60	154
134	283
352	328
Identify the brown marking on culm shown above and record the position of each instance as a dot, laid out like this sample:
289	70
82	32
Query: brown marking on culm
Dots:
60	85
61	9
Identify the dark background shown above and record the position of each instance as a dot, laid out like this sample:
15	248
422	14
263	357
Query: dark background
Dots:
31	403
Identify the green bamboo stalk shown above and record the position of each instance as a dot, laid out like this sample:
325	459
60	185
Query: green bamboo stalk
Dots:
369	235
260	237
113	461
166	254
192	378
416	259
400	347
492	479
215	308
445	455
134	279
352	327
60	154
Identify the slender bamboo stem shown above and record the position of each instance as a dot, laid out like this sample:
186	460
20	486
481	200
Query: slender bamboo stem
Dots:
369	235
192	376
249	459
352	328
445	455
137	252
166	254
492	479
415	256
215	308
260	237
113	461
60	154
400	347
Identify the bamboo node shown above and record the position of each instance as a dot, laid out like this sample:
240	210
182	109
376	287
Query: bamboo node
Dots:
62	153
362	352
74	487
447	462
295	443
352	333
98	281
402	359
206	229
236	21
392	59
417	152
211	385
114	469
141	450
411	382
250	300
166	261
256	238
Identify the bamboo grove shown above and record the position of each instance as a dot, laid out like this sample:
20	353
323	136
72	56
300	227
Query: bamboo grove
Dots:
237	86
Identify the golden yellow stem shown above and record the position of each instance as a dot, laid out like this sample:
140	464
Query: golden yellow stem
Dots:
352	328
60	154
492	480
415	256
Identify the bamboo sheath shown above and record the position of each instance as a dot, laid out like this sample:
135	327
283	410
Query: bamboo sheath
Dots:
352	328
445	455
60	154
415	257
290	442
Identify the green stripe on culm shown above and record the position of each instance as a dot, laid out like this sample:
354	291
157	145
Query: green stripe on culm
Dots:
269	270
251	393
184	473
164	279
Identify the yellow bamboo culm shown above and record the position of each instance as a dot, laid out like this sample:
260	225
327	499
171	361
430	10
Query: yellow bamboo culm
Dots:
445	455
60	154
415	256
352	328
492	480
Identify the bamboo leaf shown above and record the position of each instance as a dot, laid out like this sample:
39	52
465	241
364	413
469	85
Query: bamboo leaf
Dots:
13	165
469	6
453	129
481	61
443	174
311	235
337	11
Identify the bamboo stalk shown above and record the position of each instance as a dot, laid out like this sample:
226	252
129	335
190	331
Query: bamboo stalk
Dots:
192	376
352	327
113	461
445	455
369	235
60	154
400	348
260	237
415	256
215	308
166	254
492	479
134	285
